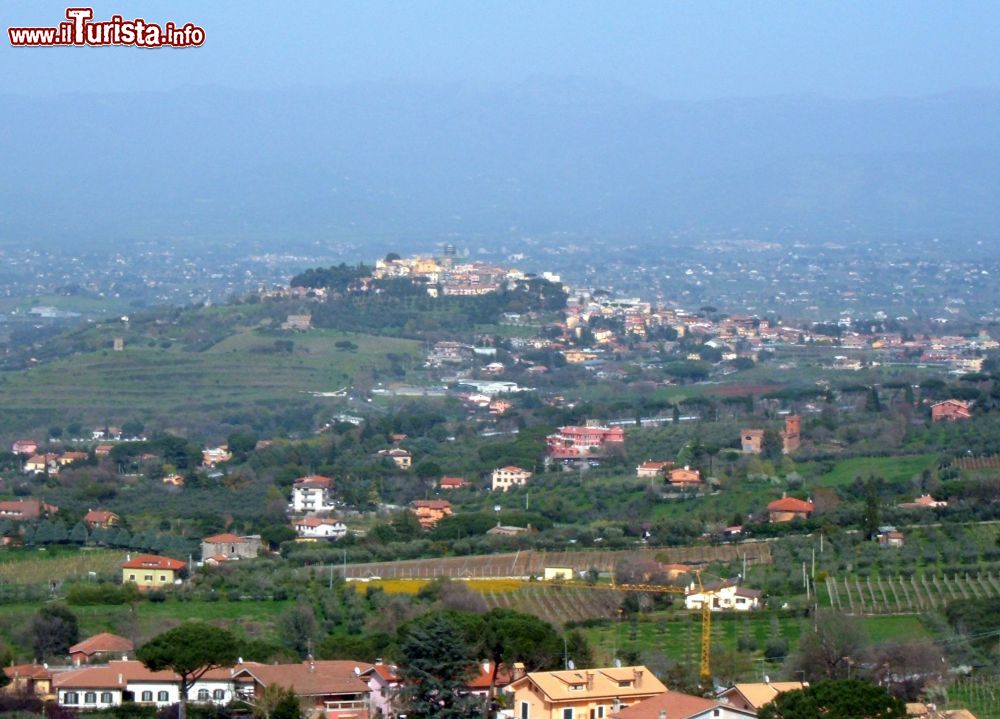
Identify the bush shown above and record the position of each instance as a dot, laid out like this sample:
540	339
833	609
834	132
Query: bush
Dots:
103	593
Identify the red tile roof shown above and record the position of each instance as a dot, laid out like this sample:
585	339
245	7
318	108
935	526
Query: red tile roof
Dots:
28	671
314	480
99	516
388	672
312	677
482	679
222	538
790	504
153	561
117	674
677	705
432	503
103	642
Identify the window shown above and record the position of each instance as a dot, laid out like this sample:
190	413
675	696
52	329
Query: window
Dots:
90	698
147	696
148	577
162	697
203	695
131	577
600	712
715	712
106	698
568	713
524	710
71	698
219	695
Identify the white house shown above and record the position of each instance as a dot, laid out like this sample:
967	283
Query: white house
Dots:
510	476
726	595
103	686
318	528
312	494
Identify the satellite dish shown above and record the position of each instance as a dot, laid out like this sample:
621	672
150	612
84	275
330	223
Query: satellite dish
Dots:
570	664
767	679
618	663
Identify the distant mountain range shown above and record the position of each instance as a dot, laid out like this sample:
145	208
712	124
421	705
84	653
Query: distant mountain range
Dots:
546	156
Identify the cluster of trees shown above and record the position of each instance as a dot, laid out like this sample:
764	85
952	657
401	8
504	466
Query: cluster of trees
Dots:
437	654
54	531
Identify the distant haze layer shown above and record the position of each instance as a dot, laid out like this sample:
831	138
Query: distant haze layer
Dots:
548	156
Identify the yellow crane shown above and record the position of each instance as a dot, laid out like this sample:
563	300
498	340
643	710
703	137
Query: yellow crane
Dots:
706	613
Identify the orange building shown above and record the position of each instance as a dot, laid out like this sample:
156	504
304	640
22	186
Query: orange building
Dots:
430	511
788	508
791	437
951	410
684	477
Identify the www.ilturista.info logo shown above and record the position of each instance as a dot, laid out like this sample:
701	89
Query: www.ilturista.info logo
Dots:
82	31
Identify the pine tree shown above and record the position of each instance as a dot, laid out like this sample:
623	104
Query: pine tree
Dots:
873	403
871	516
59	533
437	664
78	535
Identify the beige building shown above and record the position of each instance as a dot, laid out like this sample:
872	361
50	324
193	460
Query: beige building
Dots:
584	694
401	457
651	469
560	574
510	476
752	696
151	571
752	441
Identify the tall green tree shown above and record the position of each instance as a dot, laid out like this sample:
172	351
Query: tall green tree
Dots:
872	402
872	508
510	637
55	629
437	662
772	446
846	699
189	651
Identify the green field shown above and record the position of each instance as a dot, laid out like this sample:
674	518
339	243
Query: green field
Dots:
148	381
892	469
679	635
35	566
144	620
979	694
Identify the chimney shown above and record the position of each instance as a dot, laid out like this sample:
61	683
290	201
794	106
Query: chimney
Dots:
121	678
590	681
518	671
239	660
637	677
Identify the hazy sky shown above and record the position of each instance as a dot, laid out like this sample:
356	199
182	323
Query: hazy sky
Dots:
679	49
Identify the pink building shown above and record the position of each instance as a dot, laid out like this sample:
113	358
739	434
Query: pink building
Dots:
576	442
